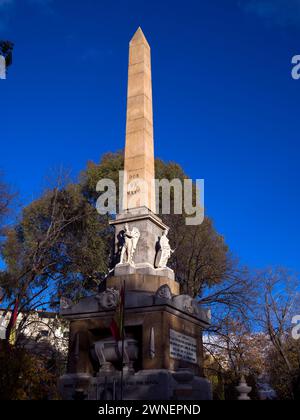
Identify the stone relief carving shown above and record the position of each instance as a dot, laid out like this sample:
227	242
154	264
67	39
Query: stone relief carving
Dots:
188	306
65	303
164	251
187	303
130	243
164	292
108	299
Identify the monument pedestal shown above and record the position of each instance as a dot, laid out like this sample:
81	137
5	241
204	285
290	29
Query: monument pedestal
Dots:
151	229
163	330
164	334
143	283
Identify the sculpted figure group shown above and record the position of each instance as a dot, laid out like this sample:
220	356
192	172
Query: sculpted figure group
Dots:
130	240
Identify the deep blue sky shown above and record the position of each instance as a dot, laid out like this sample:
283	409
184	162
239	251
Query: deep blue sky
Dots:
225	105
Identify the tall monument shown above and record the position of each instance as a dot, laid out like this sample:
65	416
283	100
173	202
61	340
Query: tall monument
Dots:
161	355
138	188
138	210
139	151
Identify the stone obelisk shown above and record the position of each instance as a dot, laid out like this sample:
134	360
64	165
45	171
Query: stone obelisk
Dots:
139	188
137	218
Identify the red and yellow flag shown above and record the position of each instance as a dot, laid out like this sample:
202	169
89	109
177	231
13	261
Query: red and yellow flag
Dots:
1	294
117	323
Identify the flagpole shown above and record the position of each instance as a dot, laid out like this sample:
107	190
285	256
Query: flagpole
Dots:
122	337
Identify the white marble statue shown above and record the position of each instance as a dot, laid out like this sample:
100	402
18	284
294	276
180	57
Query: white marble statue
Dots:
165	250
130	243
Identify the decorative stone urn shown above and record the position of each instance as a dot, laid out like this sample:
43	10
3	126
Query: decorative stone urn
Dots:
109	352
243	389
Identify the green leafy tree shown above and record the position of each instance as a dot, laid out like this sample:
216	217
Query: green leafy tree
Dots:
62	246
59	247
6	198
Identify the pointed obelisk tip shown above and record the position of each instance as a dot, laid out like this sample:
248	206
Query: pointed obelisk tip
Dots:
139	37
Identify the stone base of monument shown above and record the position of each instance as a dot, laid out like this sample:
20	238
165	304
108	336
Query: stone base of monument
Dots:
162	351
124	269
143	282
143	269
165	272
155	384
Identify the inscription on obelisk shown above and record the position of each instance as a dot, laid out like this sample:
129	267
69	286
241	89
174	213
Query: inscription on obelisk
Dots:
139	188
